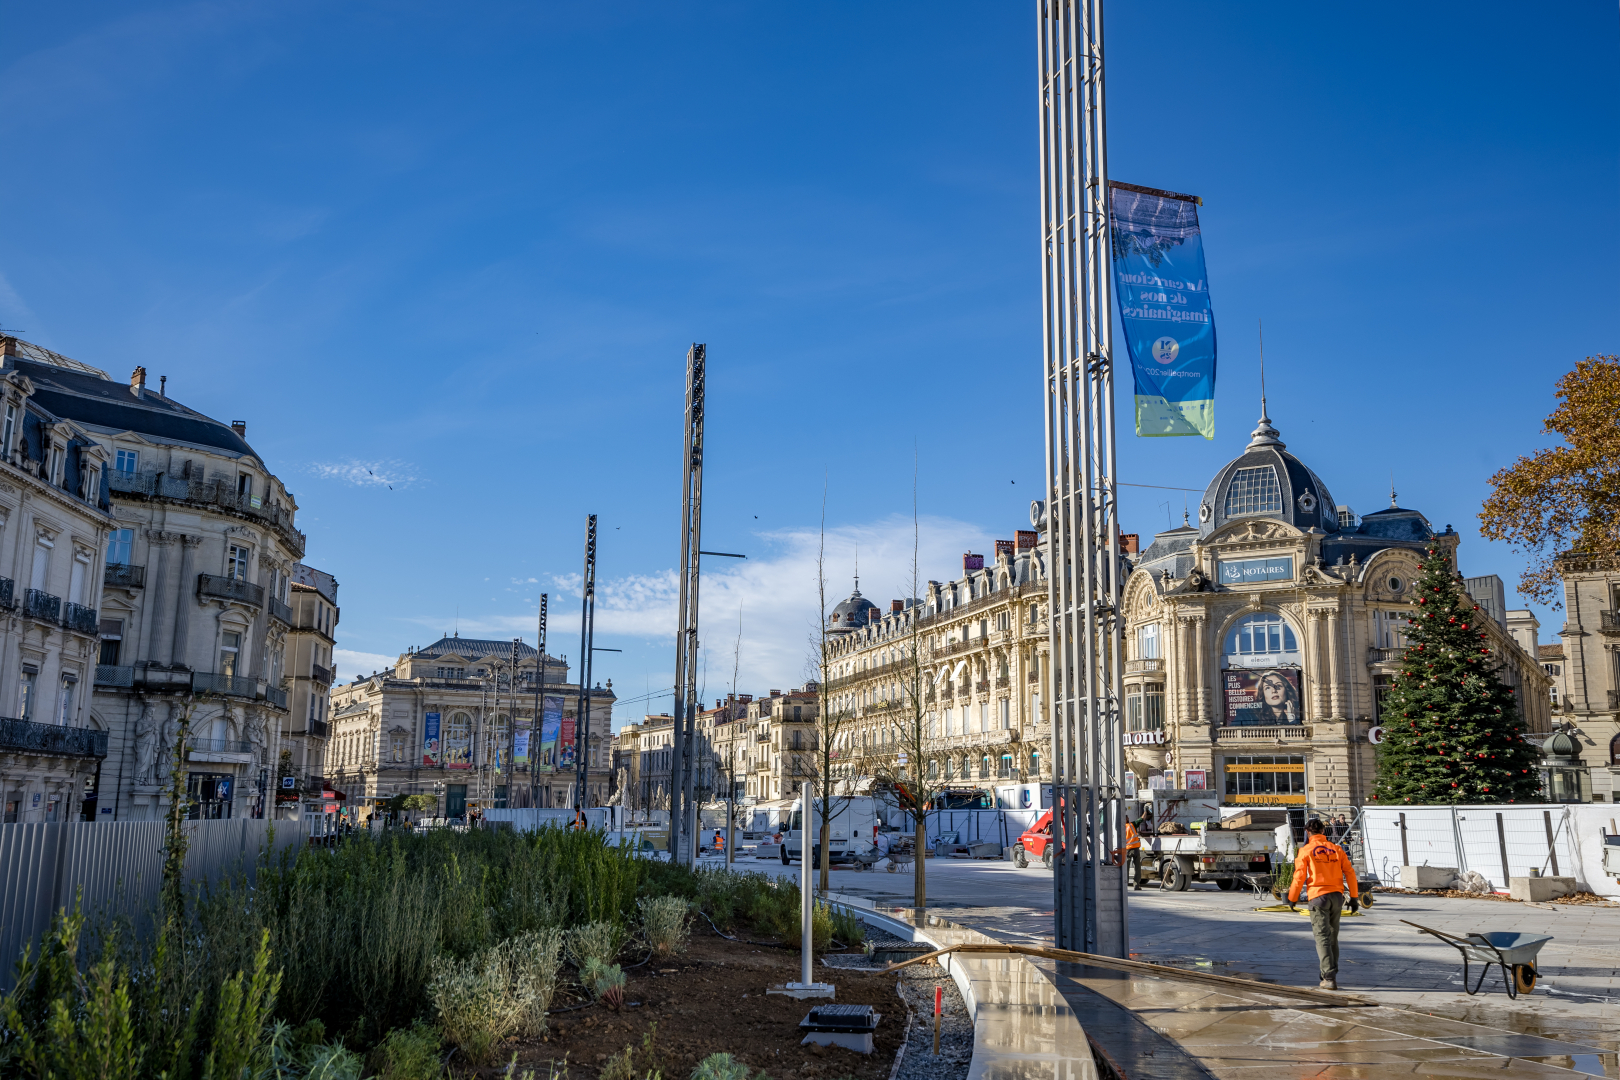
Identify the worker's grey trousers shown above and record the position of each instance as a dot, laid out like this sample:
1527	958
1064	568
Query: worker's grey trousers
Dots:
1325	927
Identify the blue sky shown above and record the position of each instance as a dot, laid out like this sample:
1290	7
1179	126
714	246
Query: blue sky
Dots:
466	247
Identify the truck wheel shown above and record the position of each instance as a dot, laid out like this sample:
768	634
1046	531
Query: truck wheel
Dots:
1175	878
1226	884
1020	858
1046	857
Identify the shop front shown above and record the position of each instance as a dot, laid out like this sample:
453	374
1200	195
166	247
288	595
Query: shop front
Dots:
1264	780
210	795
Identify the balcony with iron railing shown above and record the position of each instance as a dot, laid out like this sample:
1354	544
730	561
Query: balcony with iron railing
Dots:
274	697
8	589
229	588
1609	622
115	675
1143	667
27	737
41	605
218	494
982	686
320	729
81	618
279	610
200	745
320	674
124	576
208	682
1376	655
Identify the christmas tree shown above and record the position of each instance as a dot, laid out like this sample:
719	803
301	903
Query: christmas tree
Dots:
1452	732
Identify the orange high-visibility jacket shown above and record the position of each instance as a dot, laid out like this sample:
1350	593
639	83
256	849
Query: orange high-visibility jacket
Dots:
1133	842
1325	866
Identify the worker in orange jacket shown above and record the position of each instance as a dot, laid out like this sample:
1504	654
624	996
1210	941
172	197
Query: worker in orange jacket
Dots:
1325	868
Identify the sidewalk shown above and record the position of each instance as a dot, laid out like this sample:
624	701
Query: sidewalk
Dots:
1425	1024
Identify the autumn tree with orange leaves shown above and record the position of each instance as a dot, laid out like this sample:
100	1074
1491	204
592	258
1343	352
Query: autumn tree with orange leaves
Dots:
1566	498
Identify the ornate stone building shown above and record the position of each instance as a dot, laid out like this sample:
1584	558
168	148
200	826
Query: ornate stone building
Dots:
177	593
981	647
440	722
1260	642
1586	669
308	670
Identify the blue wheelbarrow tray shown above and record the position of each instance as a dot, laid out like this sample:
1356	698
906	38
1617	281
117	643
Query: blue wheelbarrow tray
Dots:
1514	952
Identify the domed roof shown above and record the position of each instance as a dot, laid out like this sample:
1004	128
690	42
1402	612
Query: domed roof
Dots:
1267	482
1562	745
853	613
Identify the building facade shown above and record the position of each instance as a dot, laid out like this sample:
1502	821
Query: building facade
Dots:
183	607
1586	670
975	648
309	671
1260	642
457	720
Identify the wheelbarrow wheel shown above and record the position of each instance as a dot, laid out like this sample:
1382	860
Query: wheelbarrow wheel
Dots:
1524	977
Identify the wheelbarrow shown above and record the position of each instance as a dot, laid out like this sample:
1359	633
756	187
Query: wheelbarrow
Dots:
1515	953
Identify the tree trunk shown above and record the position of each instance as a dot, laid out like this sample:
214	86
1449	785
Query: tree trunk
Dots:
919	895
825	842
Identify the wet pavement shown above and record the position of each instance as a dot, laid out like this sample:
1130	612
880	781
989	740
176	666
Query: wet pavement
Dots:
1424	1025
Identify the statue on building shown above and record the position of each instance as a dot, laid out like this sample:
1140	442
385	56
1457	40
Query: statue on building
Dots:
170	740
257	738
146	745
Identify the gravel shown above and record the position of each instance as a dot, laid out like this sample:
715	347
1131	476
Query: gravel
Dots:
916	989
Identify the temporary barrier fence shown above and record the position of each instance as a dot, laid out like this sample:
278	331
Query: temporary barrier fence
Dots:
1499	842
112	868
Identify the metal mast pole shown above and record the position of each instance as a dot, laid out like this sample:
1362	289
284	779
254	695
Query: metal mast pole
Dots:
1082	538
587	634
683	736
534	729
511	730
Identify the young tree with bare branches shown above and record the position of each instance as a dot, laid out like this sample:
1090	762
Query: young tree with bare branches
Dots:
830	723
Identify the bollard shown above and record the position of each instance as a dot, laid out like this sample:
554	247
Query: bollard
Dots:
939	997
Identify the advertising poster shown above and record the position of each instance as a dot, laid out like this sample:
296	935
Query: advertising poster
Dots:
458	743
1263	697
550	729
520	744
430	739
1165	310
565	751
1197	780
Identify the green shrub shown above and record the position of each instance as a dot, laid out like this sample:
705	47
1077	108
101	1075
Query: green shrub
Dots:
633	1064
663	923
720	1067
475	1003
329	1062
1282	876
409	1054
595	941
533	960
847	928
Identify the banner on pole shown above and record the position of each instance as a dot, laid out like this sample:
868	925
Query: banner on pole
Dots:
550	729
430	739
565	752
1165	310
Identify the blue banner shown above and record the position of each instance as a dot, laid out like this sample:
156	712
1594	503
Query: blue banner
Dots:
550	729
1164	306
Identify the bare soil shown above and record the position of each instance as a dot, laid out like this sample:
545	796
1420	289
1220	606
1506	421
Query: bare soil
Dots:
711	1000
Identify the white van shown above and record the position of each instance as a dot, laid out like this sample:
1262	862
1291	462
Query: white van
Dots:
853	819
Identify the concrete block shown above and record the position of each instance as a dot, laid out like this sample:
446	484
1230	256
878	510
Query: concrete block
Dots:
1539	889
1427	877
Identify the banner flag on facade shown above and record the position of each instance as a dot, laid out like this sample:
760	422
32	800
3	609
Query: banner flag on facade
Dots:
430	739
1164	306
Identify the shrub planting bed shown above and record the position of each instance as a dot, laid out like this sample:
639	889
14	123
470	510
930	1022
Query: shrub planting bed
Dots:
392	956
712	1000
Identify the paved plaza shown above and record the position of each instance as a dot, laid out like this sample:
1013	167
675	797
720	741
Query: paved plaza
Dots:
1425	1024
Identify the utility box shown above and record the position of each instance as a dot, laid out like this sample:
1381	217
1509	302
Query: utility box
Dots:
1427	877
849	1026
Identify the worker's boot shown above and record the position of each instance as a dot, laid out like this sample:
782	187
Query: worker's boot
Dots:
1329	983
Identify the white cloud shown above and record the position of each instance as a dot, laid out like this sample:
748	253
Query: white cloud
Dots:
352	664
775	589
395	474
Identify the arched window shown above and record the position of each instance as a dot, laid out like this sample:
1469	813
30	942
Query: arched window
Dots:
1614	751
1035	763
458	741
1263	639
1254	491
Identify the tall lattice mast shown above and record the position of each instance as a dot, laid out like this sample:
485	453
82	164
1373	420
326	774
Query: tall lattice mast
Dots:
1082	683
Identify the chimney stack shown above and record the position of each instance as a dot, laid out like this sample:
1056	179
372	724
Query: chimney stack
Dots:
240	427
896	606
137	380
1129	543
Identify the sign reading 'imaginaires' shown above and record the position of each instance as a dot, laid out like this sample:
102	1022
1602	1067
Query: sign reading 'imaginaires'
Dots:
1165	309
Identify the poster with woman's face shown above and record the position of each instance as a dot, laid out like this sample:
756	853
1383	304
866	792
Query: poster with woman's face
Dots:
1263	696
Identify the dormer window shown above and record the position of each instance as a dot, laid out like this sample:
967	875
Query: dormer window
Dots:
1254	491
126	462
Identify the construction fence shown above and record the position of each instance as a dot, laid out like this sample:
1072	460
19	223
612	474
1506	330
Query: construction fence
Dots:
114	869
1560	840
